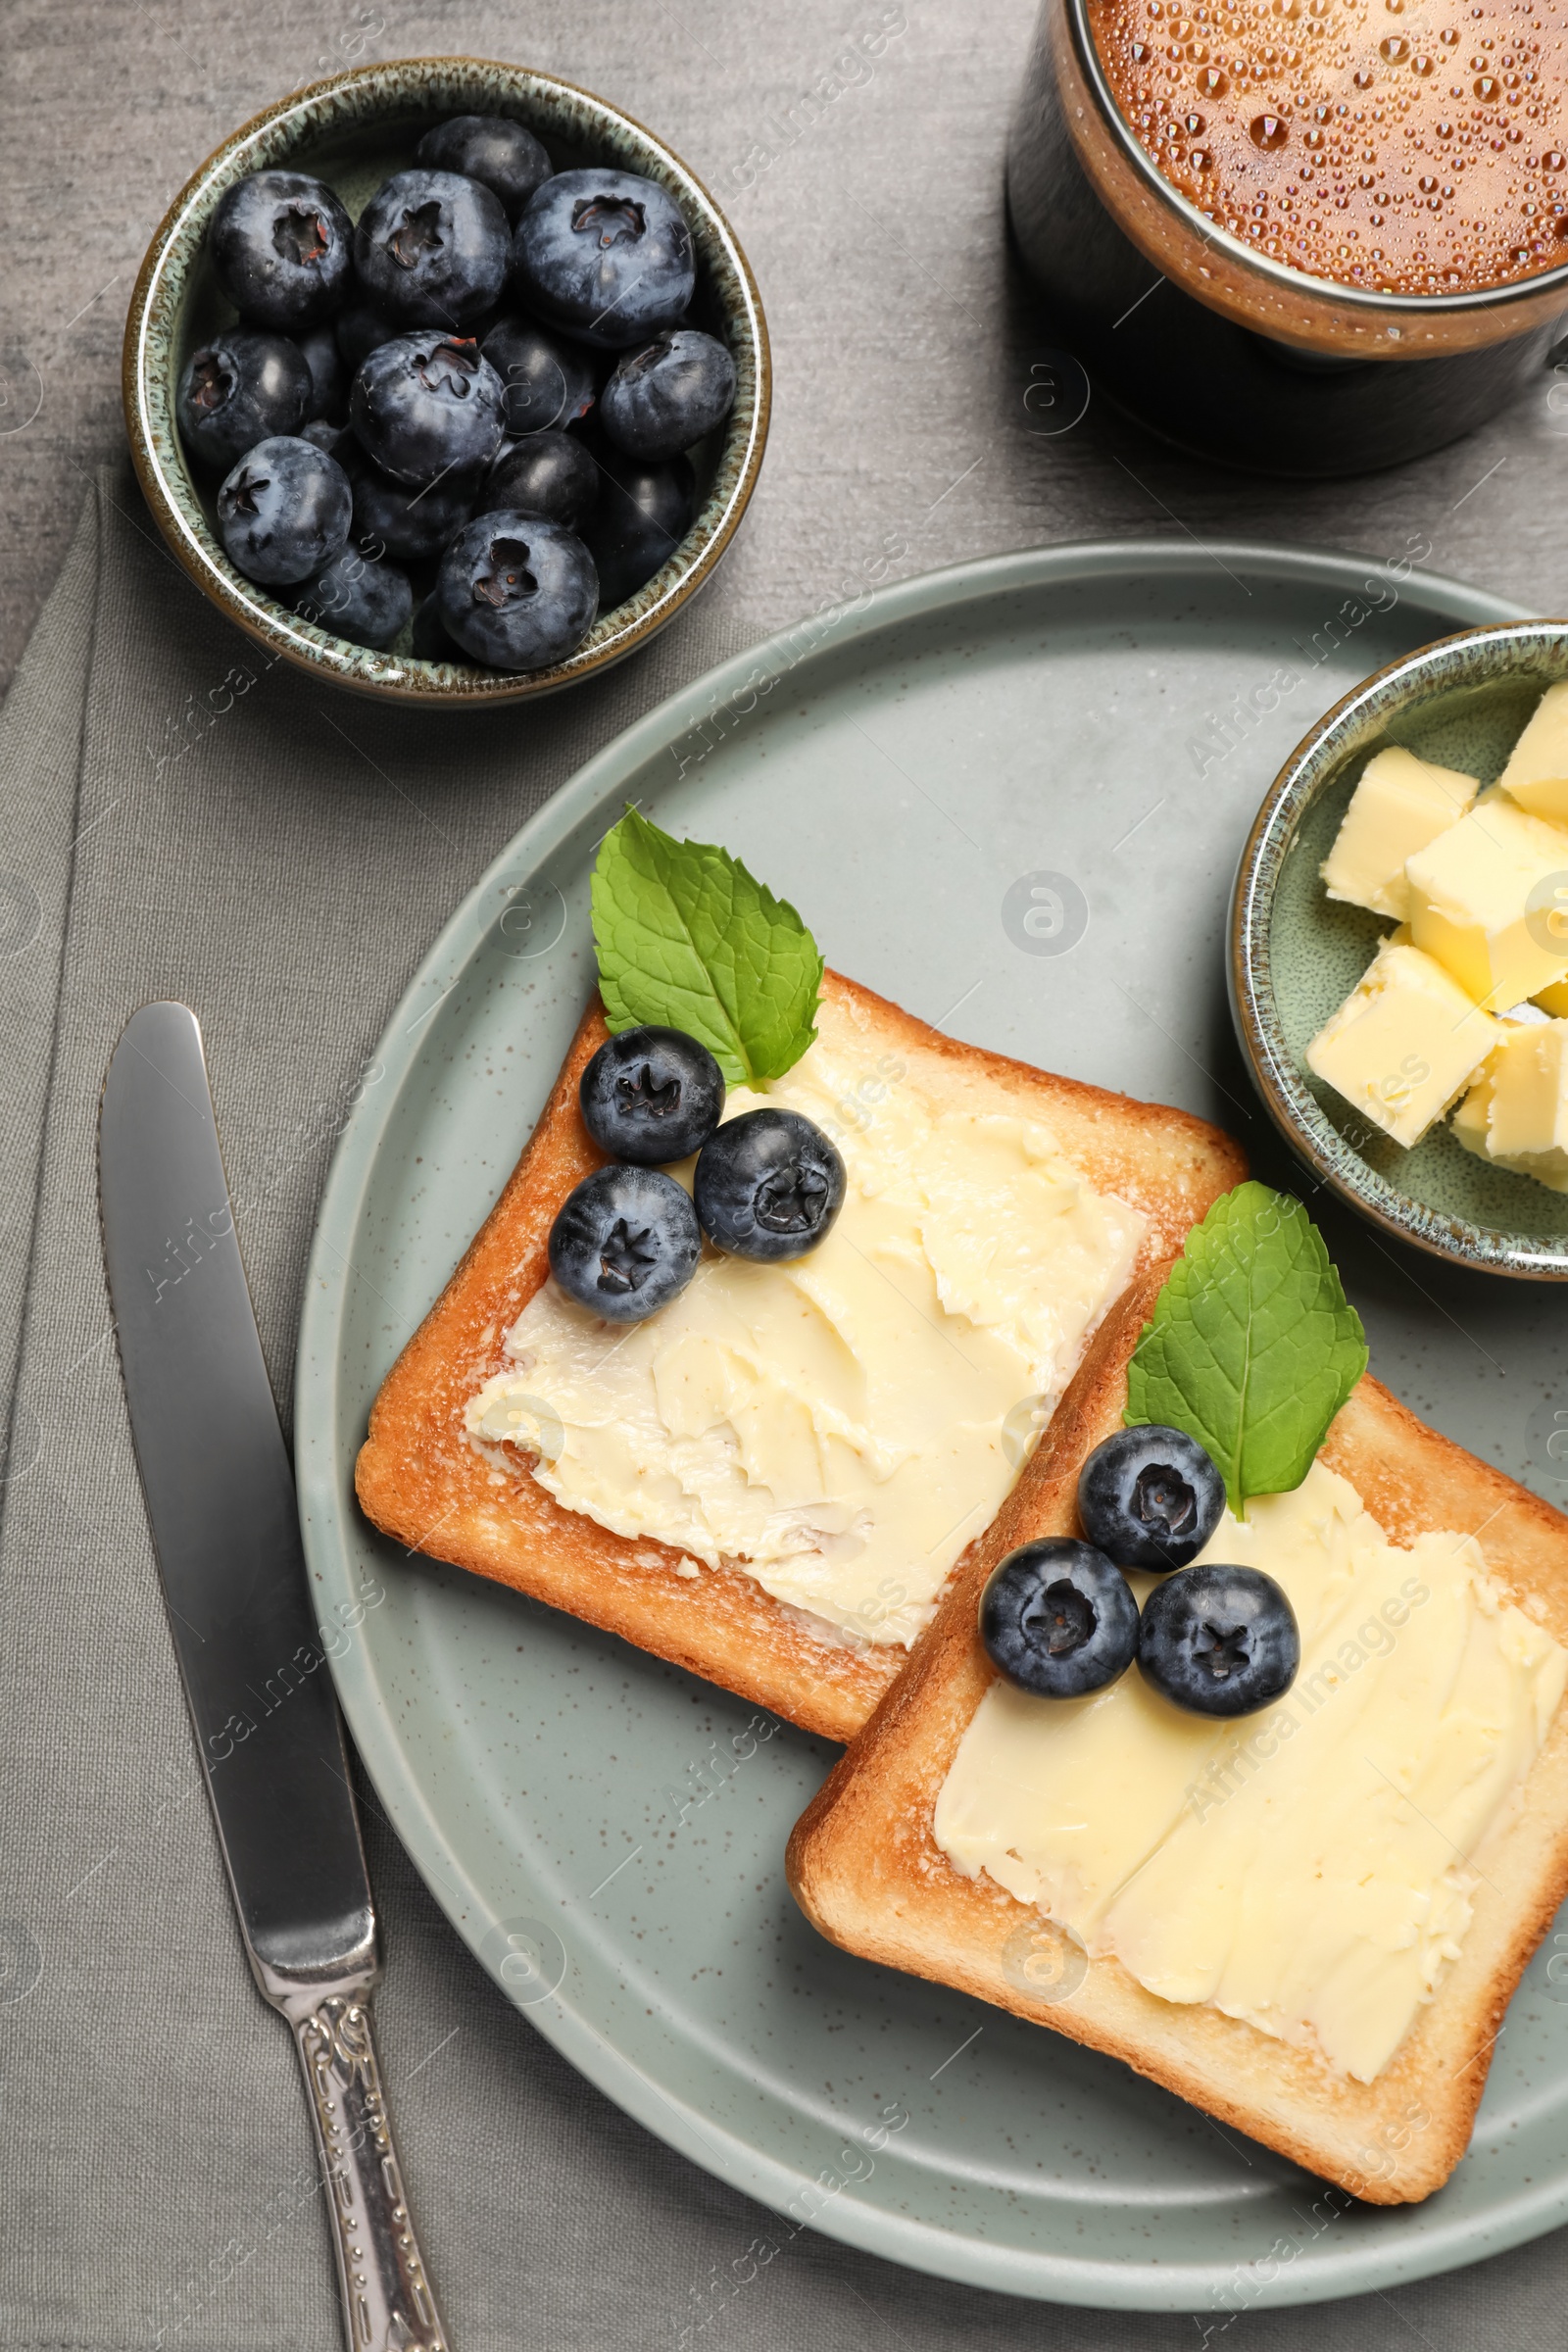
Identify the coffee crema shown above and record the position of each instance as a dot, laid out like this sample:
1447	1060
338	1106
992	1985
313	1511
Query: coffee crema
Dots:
1407	146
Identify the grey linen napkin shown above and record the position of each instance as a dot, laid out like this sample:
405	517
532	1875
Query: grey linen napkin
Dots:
179	818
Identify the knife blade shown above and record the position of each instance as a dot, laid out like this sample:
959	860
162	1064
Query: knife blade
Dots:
221	1504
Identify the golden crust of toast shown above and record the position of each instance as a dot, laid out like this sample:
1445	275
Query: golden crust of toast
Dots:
421	1481
867	1870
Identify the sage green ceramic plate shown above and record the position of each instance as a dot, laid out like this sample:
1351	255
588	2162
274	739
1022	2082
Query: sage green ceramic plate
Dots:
1000	795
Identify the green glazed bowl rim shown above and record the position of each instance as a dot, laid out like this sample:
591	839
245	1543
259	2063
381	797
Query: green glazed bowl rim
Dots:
343	103
1472	657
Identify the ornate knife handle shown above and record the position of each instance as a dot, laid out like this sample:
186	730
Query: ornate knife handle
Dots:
387	2302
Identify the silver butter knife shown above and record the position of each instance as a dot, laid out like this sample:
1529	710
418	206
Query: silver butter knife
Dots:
220	1501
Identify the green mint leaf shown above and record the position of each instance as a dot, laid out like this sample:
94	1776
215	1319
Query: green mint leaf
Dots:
1252	1348
687	938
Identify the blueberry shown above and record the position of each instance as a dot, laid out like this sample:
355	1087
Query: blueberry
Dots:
605	255
366	602
668	395
362	326
549	473
482	324
432	247
328	400
432	640
409	524
1149	1496
547	383
642	515
336	439
1058	1619
517	592
284	511
768	1185
242	388
1219	1640
651	1095
509	159
281	245
428	406
625	1242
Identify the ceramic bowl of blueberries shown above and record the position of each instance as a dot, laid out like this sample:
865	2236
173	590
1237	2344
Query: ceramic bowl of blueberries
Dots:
447	380
1461	1188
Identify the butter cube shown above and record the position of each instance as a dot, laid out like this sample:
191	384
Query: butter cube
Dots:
1553	1000
1405	1043
1401	803
1470	1117
1536	773
1489	899
1516	1115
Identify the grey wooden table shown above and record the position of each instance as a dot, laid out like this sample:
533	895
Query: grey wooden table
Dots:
859	151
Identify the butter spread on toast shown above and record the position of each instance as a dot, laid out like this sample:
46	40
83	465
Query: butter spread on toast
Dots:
1309	1869
841	1425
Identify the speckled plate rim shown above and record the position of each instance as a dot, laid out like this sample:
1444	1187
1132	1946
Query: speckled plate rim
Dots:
344	102
1470	656
1417	2241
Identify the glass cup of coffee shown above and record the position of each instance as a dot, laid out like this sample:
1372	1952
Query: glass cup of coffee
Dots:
1308	237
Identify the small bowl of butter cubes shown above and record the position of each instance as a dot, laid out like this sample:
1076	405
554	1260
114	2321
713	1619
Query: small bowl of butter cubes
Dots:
1398	949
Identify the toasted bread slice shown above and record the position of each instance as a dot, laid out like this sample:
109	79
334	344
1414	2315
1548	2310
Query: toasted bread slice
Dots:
866	1868
421	1479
